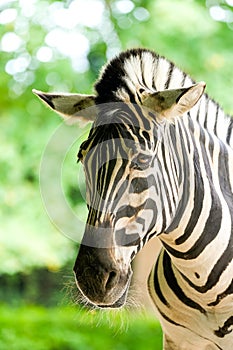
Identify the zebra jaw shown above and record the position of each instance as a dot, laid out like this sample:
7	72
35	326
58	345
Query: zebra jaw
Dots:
175	102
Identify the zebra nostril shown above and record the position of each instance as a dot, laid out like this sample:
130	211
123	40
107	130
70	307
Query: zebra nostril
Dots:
111	280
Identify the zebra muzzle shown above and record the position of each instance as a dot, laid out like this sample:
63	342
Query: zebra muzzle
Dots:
99	277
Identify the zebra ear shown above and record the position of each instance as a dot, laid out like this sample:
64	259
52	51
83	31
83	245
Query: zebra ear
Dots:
72	107
173	103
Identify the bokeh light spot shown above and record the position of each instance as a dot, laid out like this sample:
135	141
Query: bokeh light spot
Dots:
8	16
124	6
141	14
10	42
88	13
44	54
18	65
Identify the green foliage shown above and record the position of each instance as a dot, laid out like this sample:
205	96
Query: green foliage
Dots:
41	286
69	328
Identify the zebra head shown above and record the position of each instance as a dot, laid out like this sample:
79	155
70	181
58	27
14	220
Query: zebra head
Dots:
123	160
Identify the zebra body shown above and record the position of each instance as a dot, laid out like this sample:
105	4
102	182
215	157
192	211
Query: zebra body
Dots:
158	161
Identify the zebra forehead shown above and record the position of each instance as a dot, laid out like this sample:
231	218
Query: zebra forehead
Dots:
102	135
132	68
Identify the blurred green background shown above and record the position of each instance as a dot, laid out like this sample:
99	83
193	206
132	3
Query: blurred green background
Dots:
61	46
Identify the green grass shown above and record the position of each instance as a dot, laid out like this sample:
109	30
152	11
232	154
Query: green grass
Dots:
69	328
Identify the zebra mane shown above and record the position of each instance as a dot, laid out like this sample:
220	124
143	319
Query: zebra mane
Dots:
123	77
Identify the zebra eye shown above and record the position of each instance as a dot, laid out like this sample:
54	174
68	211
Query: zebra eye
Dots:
142	161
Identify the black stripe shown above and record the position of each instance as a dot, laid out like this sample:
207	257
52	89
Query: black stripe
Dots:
141	221
126	240
162	212
142	73
197	205
211	229
198	193
164	186
169	173
146	135
151	204
226	258
174	286
185	171
169	319
156	285
216	120
217	270
139	185
107	179
183	79
211	145
171	67
123	187
213	222
129	92
198	113
223	295
229	131
206	111
48	98
224	330
127	211
191	330
139	115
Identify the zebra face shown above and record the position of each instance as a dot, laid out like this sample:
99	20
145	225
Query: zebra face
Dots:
123	160
117	159
125	169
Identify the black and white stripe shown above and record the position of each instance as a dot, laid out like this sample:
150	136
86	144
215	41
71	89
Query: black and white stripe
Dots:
158	161
188	197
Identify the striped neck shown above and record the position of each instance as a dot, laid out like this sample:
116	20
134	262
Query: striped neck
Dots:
206	196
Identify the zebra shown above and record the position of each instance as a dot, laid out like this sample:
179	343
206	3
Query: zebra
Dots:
157	162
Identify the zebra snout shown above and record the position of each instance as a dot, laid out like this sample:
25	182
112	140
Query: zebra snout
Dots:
99	278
